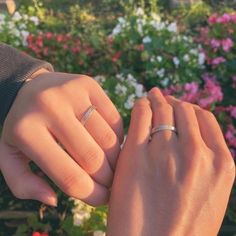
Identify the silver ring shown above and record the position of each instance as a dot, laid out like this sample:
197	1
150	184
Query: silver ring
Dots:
163	127
87	114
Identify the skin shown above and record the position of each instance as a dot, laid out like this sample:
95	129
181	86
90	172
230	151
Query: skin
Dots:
171	185
43	126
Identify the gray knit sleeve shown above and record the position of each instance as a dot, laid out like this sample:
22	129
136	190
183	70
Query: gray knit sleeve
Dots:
15	68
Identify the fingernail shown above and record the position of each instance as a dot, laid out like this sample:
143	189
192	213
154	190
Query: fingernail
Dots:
47	199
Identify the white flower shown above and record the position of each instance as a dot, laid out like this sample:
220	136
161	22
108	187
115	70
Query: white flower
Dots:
147	39
11	25
159	58
156	17
16	32
2	19
139	11
24	34
25	17
122	20
130	102
176	61
157	25
98	233
172	27
201	58
152	59
120	89
81	212
100	79
186	58
16	16
140	24
79	218
194	51
22	26
120	77
132	81
139	90
116	30
161	72
164	82
34	19
140	28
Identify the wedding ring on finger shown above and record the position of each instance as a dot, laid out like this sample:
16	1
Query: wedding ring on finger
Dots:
87	114
162	128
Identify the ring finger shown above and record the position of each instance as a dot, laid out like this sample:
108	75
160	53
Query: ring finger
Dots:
82	148
162	115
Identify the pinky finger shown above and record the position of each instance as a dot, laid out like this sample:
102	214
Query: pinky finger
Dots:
21	181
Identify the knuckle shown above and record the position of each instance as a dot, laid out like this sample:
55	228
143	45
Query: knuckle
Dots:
109	139
141	107
184	106
71	183
46	99
168	108
209	115
227	165
90	159
89	80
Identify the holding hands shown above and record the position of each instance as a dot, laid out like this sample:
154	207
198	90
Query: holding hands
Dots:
176	183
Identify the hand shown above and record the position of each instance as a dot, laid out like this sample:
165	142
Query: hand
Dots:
175	184
45	117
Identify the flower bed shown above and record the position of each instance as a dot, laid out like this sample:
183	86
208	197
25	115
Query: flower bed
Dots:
141	51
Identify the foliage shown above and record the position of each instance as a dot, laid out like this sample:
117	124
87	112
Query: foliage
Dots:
188	52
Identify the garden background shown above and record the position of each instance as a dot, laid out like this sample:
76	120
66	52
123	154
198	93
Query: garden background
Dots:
188	50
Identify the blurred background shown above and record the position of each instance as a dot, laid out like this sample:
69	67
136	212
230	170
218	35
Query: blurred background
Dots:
185	47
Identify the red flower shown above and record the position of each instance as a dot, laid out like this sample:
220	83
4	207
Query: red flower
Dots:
36	234
116	56
140	47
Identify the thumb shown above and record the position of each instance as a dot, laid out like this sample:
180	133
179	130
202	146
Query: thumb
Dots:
21	181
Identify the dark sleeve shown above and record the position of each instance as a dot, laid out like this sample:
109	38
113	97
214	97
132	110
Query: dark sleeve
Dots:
15	68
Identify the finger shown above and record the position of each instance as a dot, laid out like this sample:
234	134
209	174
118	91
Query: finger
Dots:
108	111
162	115
22	182
104	136
210	129
186	121
82	148
140	124
60	167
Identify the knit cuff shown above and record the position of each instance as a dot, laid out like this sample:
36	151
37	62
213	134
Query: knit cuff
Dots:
15	68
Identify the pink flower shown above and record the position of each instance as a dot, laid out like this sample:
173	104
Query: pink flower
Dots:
234	78
233	152
230	135
212	19
224	19
212	93
227	44
218	60
232	110
191	92
49	35
233	18
215	43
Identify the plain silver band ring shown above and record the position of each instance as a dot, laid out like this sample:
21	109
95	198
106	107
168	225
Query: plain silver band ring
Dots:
87	114
163	127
